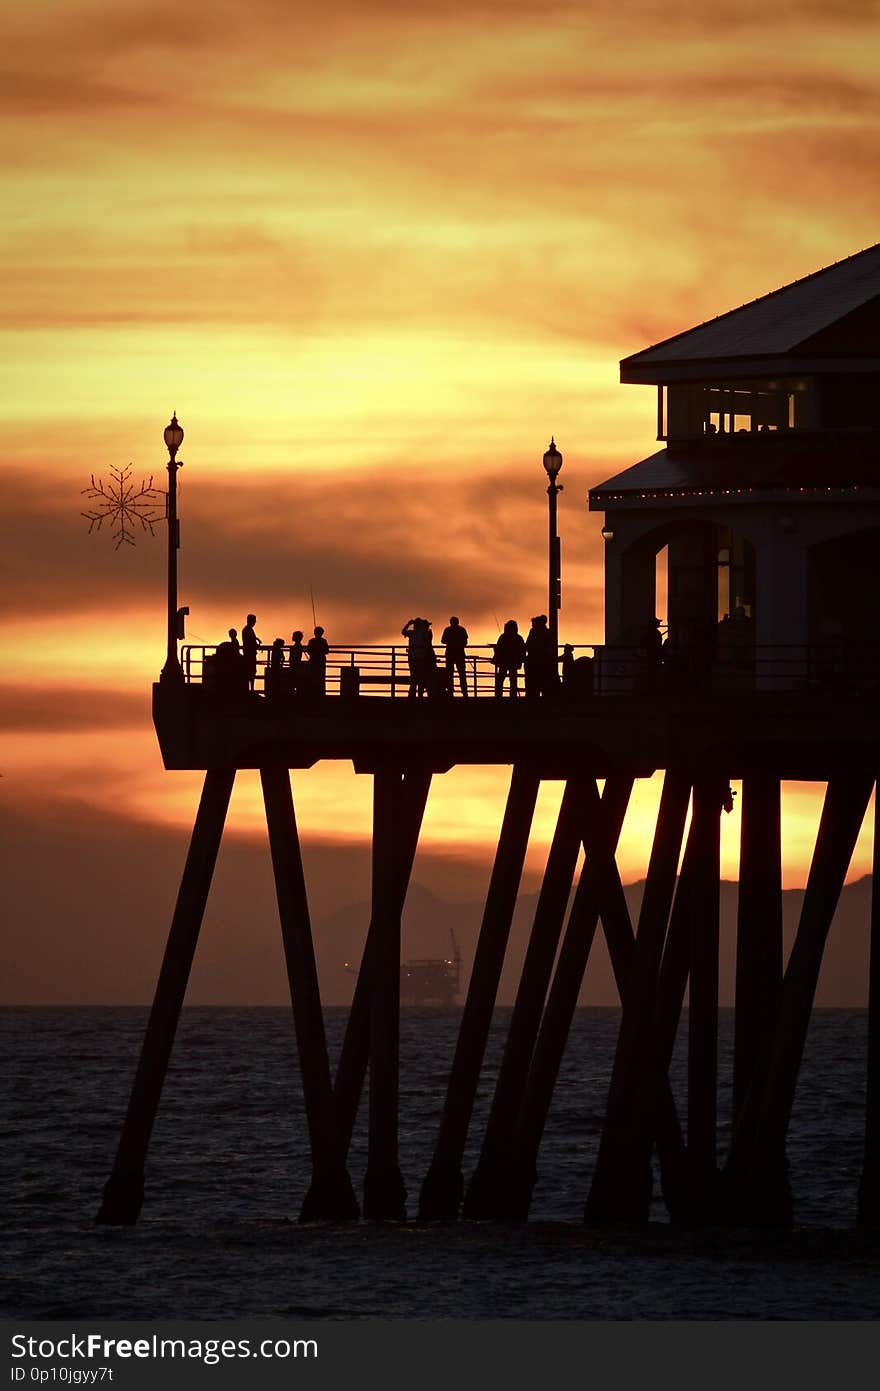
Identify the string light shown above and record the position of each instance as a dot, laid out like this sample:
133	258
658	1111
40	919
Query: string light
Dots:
653	496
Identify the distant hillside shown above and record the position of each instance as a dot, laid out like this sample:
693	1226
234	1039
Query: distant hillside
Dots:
428	917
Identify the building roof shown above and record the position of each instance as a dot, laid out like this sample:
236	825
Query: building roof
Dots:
795	318
799	464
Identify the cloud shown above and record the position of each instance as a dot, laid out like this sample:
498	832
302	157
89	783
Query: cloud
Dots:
373	255
369	548
22	708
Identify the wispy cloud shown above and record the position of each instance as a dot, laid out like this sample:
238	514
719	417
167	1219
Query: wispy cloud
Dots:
373	255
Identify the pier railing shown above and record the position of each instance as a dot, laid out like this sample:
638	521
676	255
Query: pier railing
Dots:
589	670
365	671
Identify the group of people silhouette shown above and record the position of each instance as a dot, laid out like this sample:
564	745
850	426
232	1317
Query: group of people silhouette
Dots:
304	667
299	667
424	678
535	655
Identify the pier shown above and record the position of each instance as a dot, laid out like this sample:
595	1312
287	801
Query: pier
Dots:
759	518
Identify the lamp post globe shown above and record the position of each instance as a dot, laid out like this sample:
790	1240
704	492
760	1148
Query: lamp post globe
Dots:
552	460
173	436
172	672
552	464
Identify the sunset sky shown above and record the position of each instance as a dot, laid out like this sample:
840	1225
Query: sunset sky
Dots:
373	255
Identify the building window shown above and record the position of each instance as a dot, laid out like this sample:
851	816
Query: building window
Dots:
695	410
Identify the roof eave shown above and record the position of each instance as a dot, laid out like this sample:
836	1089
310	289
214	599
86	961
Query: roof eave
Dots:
657	372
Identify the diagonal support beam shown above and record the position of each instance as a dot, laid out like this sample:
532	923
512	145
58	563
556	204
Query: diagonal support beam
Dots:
354	1057
444	1185
703	904
758	932
443	1188
384	1191
485	1195
621	1186
124	1192
599	891
756	1167
330	1196
869	1185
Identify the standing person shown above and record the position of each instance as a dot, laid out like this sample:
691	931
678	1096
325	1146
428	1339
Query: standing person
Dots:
250	646
420	655
225	668
275	670
541	673
296	656
508	655
567	664
317	648
454	639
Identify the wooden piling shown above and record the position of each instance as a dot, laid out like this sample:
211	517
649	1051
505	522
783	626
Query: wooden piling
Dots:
869	1185
384	1191
621	1187
354	1057
443	1188
124	1191
330	1195
757	1163
653	1115
599	891
758	931
703	914
484	1195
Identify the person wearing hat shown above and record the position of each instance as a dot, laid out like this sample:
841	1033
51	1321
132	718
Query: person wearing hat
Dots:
420	655
317	648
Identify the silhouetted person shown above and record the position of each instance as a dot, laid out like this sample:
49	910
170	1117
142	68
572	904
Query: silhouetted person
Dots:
567	664
225	668
420	655
541	673
295	660
317	648
509	654
250	646
275	670
454	639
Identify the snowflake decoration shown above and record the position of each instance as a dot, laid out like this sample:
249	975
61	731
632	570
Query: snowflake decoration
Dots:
124	505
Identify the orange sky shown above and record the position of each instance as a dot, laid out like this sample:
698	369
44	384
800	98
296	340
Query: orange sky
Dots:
373	255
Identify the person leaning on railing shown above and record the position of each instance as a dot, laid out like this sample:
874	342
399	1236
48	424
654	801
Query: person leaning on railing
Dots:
421	657
508	655
542	678
317	648
295	660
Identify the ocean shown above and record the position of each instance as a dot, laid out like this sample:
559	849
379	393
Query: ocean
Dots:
229	1165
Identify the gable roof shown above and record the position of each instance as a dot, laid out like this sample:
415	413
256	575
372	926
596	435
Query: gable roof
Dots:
776	324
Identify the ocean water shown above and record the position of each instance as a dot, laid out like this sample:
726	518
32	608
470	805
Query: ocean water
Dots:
229	1165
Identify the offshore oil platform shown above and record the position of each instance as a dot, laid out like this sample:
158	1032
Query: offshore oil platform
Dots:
432	980
760	515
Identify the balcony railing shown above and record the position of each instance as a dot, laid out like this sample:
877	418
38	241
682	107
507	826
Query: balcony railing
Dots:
591	670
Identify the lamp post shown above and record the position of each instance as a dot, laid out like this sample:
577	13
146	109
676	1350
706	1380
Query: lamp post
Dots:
552	464
172	673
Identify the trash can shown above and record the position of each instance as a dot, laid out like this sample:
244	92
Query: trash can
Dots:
349	681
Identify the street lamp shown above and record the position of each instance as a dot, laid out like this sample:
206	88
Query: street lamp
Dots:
172	673
552	464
